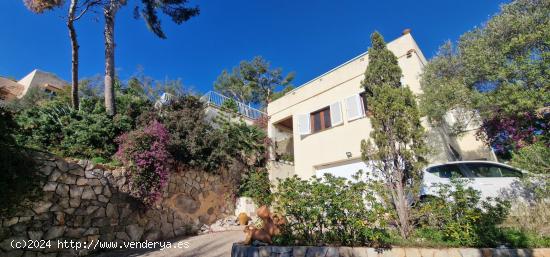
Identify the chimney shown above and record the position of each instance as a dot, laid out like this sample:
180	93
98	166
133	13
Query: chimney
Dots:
406	31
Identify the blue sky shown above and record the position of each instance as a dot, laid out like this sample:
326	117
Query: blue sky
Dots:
308	37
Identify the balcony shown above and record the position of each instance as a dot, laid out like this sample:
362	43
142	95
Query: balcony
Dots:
217	100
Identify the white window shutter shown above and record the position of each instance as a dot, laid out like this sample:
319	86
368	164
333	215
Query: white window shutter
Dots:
354	107
336	114
303	124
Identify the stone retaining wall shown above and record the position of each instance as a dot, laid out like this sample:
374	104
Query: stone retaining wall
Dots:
86	203
240	250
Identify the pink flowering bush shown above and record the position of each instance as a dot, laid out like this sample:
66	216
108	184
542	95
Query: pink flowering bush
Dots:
508	134
144	152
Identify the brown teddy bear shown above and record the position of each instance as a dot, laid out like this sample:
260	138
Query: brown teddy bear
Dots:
270	227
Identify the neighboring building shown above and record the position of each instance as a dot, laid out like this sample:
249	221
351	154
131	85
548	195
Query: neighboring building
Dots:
319	125
48	82
10	89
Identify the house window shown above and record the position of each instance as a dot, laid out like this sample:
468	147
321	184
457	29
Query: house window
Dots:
364	100
50	93
320	120
327	117
355	107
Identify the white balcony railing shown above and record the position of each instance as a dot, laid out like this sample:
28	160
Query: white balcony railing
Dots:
217	100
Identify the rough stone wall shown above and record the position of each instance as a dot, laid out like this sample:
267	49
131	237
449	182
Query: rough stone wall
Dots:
86	203
239	250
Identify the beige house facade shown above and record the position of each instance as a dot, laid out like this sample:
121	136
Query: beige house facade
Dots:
317	128
45	81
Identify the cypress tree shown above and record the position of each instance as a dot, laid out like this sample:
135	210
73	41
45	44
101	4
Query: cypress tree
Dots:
396	146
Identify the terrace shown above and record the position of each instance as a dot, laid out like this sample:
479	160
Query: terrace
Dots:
217	100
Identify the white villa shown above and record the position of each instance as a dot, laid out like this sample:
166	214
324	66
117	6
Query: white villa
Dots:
319	125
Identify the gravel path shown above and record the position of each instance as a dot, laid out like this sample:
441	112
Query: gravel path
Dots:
208	245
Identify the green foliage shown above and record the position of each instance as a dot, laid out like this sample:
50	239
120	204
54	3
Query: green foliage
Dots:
41	126
396	147
87	133
177	10
443	88
18	181
193	141
289	157
254	82
520	239
534	158
330	211
458	217
256	185
281	93
506	59
499	71
245	143
198	143
383	68
231	106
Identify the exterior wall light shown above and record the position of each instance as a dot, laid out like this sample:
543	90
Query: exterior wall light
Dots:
348	154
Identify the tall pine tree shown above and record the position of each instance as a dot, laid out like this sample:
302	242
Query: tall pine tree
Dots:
396	146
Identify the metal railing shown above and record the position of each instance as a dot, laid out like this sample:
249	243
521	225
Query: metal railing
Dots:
218	100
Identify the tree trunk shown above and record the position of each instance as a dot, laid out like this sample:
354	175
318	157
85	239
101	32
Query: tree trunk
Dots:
402	211
74	56
109	12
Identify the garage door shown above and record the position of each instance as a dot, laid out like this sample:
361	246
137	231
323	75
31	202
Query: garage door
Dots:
345	169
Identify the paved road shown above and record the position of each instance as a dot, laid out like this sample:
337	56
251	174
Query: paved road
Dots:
207	245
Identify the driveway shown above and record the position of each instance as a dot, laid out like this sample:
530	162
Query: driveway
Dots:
207	245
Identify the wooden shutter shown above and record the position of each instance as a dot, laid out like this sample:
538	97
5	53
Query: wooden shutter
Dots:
336	114
303	124
354	108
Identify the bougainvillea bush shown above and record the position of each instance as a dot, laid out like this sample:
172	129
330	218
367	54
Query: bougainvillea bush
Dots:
508	134
145	153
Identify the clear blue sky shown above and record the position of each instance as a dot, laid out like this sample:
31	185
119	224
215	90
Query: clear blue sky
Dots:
308	37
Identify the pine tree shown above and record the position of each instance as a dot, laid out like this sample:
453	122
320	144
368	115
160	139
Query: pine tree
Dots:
396	146
75	11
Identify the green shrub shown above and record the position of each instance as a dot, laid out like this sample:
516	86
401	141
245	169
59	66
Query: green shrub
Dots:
41	126
231	106
457	216
86	133
193	141
198	143
521	239
534	158
18	180
256	185
243	142
330	211
90	135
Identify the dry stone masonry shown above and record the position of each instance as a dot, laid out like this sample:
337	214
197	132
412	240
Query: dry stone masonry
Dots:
240	250
84	202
